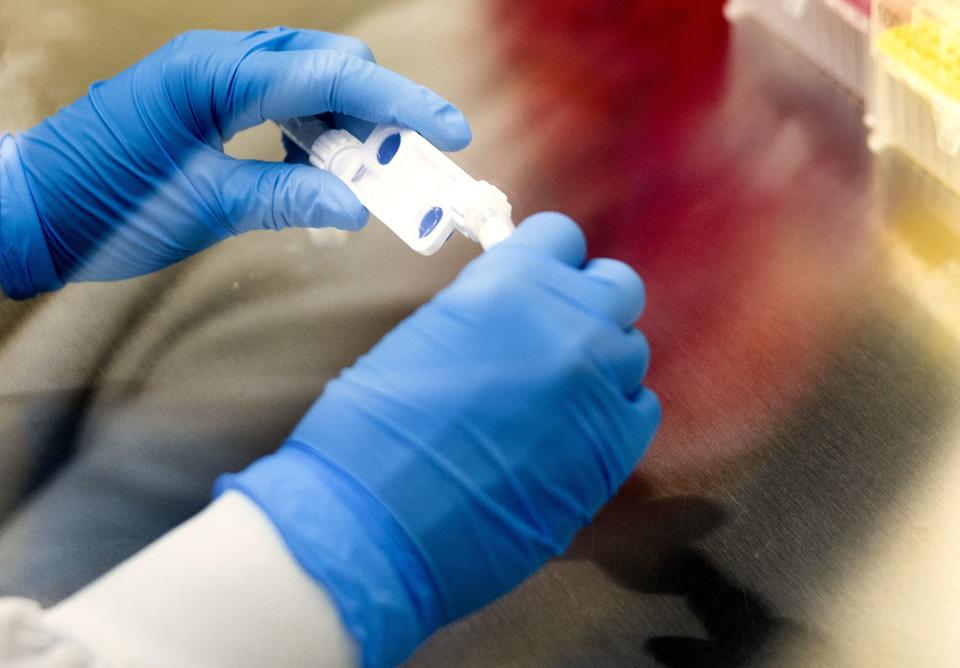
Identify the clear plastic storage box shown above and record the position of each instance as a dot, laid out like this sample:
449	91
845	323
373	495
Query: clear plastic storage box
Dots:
916	73
834	34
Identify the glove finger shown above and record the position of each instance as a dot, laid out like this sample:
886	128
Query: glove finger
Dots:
282	38
646	419
278	85
551	233
613	288
274	195
630	359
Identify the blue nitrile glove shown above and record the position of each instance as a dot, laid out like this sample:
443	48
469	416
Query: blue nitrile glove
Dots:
469	445
132	177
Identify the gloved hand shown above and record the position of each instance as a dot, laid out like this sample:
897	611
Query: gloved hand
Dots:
470	444
132	178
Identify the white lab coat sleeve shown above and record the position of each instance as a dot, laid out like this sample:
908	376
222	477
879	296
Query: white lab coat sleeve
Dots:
220	590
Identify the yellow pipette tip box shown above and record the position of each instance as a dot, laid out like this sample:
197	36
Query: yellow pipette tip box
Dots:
916	83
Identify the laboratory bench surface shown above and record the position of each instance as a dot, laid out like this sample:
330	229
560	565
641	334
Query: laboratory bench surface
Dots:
801	502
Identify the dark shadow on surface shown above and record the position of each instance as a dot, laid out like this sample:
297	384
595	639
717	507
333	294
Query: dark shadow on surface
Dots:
740	625
633	533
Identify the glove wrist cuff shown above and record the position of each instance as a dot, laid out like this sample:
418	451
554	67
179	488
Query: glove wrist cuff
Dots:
350	545
26	267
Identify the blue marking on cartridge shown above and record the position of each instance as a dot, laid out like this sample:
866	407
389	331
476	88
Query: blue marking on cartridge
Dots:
430	220
388	148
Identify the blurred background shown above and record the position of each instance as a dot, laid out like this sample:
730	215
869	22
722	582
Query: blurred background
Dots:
801	503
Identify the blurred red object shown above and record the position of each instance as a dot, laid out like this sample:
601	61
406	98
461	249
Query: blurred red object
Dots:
740	207
614	88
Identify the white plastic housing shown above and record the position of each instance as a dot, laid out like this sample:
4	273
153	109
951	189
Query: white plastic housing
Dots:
406	182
